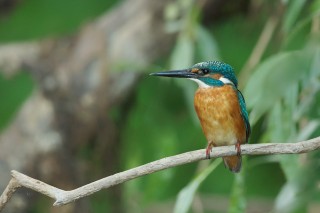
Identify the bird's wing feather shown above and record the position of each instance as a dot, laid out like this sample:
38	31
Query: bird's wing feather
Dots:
244	114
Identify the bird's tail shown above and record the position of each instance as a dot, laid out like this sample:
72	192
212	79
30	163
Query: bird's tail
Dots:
233	163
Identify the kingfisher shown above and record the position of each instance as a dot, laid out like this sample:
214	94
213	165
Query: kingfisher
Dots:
220	107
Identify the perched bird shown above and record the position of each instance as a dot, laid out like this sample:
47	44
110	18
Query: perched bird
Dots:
220	107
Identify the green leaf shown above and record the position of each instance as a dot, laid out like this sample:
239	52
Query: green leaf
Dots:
308	129
186	195
315	6
311	88
300	32
182	55
206	44
275	122
272	78
238	197
299	190
292	13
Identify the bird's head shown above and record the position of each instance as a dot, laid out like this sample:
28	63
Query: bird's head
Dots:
206	74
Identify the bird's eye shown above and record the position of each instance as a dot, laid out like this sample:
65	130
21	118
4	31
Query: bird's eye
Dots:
205	71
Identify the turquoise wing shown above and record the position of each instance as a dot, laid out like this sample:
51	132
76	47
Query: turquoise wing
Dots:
244	113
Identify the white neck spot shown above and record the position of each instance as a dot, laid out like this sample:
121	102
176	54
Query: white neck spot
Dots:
200	83
204	85
225	80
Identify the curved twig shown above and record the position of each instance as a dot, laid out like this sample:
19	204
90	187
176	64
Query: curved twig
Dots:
63	197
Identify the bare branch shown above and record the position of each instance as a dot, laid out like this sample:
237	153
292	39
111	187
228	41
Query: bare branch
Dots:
62	197
8	192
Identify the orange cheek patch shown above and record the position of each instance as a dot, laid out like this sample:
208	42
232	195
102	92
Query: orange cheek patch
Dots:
216	76
194	70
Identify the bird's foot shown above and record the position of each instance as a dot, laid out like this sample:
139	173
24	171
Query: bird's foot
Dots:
238	148
209	149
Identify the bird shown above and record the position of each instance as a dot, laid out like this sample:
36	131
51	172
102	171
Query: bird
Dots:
220	107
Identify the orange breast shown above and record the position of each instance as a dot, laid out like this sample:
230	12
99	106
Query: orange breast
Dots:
219	113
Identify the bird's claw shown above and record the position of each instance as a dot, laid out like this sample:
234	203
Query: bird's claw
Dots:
208	150
238	148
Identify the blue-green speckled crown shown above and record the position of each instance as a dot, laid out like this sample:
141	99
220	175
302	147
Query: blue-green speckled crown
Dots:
218	67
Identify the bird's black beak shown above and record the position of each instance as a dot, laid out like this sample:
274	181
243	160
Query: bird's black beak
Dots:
176	74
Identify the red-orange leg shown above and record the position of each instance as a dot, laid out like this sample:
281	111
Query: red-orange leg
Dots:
238	148
209	149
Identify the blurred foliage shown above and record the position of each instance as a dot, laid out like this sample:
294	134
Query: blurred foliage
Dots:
12	94
185	197
34	19
282	96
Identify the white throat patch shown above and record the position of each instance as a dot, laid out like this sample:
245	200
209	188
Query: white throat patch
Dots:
200	83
